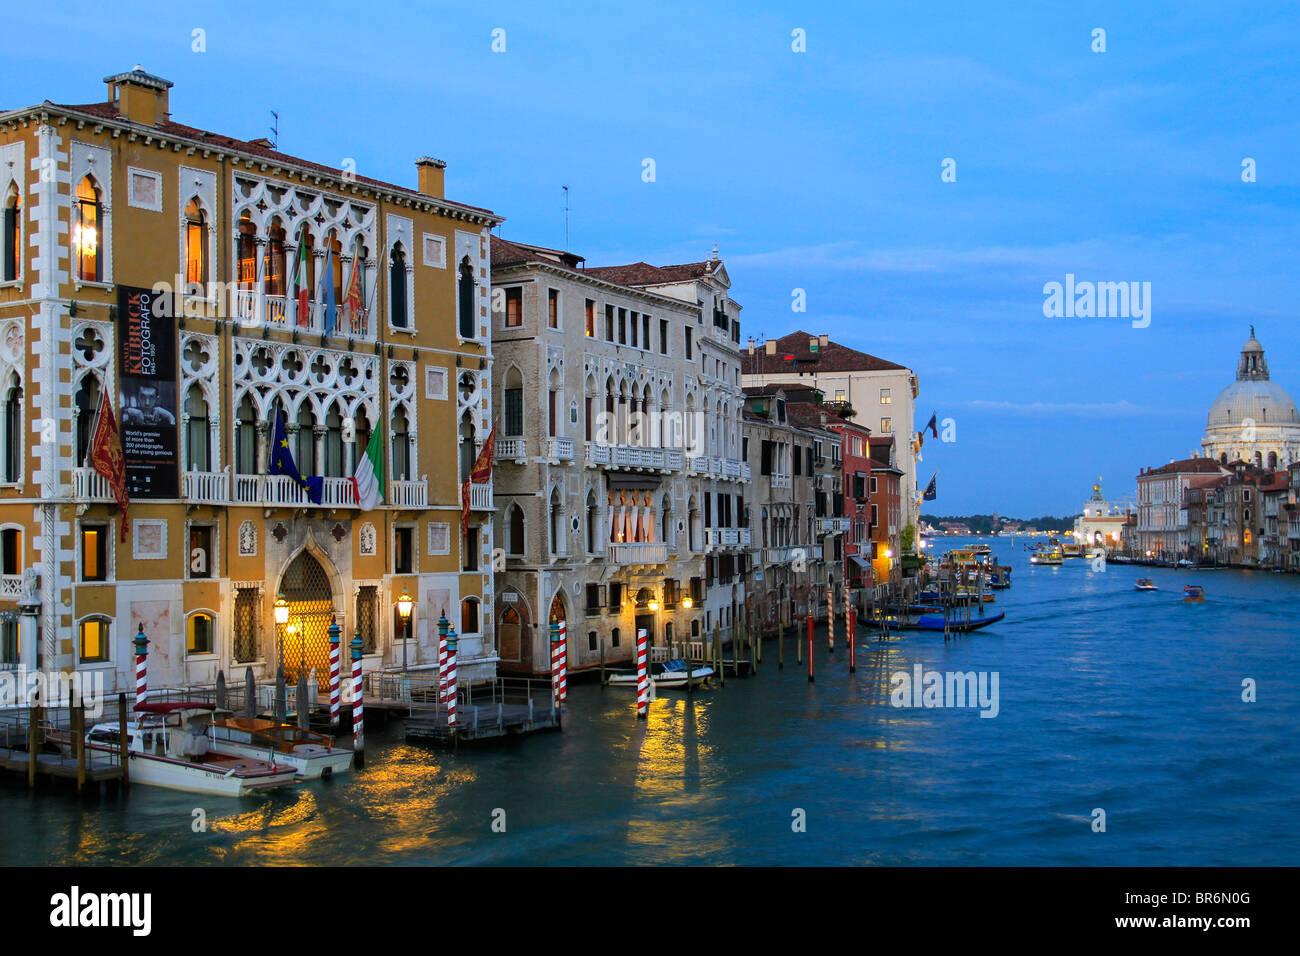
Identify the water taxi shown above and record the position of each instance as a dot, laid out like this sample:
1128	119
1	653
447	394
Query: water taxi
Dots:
1072	551
1194	594
670	675
1145	584
313	755
168	746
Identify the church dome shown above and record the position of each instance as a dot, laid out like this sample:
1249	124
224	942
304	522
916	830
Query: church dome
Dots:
1253	396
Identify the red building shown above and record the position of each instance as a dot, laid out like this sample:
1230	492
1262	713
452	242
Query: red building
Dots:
886	510
855	498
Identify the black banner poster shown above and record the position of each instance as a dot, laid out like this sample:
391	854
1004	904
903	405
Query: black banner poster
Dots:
146	337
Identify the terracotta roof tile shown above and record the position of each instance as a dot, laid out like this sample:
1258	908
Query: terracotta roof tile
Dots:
831	357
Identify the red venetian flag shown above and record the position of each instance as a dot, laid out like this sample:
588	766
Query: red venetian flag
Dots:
300	281
106	457
480	474
352	301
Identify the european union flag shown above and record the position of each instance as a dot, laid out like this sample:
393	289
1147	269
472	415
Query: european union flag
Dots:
282	463
931	492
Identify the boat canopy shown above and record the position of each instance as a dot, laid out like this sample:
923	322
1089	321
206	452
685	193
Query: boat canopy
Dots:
171	706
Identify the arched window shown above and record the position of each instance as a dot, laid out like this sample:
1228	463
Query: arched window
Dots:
557	523
361	436
196	430
1272	460
593	523
93	640
88	232
514	404
13	429
397	288
469	623
196	245
87	399
401	447
246	254
274	265
304	453
333	444
467	450
198	634
515	530
13	235
466	299
246	438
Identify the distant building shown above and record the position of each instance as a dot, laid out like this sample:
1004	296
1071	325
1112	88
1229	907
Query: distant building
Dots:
1102	522
1254	419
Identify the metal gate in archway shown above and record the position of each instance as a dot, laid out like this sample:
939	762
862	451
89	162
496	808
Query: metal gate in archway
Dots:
306	588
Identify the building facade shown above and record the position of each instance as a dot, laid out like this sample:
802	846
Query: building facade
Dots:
185	275
619	483
1253	419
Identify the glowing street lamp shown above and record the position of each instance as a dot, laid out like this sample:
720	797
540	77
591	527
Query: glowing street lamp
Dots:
404	607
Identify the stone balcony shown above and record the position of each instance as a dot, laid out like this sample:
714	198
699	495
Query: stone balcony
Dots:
632	457
559	449
729	469
511	449
640	552
725	538
832	525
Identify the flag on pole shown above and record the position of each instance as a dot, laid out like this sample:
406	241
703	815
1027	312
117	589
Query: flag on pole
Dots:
300	281
282	463
107	459
479	474
933	424
329	290
368	480
931	492
352	302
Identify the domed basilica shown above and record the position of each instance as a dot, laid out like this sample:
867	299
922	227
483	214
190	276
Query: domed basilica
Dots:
1253	419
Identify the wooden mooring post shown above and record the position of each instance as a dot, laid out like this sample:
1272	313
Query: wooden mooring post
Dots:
33	743
121	741
717	654
77	717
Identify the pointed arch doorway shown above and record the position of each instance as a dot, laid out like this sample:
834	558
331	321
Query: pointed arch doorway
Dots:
306	587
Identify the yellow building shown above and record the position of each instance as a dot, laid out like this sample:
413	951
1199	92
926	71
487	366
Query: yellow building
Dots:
169	266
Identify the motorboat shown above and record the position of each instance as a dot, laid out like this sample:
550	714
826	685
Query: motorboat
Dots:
670	675
313	755
168	746
1194	594
1145	584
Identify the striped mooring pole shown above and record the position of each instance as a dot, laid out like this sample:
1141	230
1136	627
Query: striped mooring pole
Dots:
358	705
848	628
830	612
810	639
558	654
442	656
564	663
334	675
452	640
642	677
141	666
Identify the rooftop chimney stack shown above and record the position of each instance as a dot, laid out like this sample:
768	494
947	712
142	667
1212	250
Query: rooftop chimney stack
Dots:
771	346
431	176
824	340
139	97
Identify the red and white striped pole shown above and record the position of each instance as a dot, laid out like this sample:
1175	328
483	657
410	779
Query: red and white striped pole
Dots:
642	676
358	706
334	675
451	679
810	639
564	663
141	667
830	613
442	657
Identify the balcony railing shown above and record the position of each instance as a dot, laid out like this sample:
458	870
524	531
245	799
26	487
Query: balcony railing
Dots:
410	494
90	485
781	481
480	497
277	311
559	449
640	552
832	525
721	538
510	449
778	555
11	586
632	456
206	487
283	491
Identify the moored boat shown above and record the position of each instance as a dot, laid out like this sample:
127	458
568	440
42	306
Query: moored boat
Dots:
168	746
1047	554
670	675
311	754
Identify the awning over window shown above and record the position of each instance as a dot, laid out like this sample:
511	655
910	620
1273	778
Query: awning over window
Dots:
624	482
860	561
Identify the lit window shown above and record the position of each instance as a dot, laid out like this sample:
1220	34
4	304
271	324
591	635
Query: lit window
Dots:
87	232
196	258
198	635
94	640
884	397
94	552
886	425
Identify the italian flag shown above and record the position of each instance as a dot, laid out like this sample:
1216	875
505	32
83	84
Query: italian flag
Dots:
368	482
304	317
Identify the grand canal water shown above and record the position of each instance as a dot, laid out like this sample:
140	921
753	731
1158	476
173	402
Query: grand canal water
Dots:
1108	698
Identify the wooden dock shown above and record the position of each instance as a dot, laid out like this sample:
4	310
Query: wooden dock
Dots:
506	706
33	740
98	768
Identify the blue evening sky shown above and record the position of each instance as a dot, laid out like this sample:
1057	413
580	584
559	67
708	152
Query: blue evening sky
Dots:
821	171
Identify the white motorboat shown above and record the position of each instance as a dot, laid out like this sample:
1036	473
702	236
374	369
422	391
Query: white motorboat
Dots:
670	675
168	746
312	754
